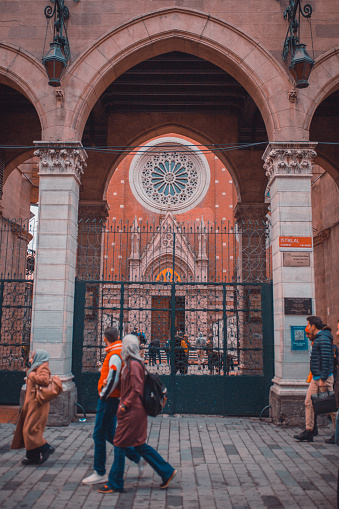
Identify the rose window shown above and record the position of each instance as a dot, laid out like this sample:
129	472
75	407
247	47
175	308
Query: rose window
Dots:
168	176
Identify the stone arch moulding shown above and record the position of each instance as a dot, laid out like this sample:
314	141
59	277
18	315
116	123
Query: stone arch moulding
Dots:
180	29
324	81
24	73
183	131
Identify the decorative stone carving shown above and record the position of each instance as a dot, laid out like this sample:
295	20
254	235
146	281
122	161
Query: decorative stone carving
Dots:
321	237
94	211
169	174
251	213
202	241
135	240
59	94
288	158
60	157
292	95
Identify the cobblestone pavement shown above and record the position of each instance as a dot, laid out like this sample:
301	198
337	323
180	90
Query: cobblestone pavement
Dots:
234	463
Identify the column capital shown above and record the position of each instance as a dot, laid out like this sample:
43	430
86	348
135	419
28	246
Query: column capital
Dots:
289	158
61	158
251	212
94	210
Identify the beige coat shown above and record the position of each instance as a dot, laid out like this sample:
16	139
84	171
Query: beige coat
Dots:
33	417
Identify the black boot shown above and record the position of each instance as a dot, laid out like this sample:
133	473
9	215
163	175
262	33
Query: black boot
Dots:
330	440
32	457
315	431
305	436
46	451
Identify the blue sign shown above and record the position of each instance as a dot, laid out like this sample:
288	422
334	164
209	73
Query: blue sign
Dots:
299	340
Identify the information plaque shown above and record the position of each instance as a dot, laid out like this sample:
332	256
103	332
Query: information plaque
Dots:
299	339
293	259
297	306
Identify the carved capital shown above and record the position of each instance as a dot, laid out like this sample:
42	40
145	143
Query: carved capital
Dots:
94	211
251	213
288	158
61	158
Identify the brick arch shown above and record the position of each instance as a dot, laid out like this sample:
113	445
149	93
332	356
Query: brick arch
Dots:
21	71
183	131
324	80
179	29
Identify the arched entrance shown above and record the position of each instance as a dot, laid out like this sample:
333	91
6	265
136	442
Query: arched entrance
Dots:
169	266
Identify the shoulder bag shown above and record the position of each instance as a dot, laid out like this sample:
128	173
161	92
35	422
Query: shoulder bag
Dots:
45	394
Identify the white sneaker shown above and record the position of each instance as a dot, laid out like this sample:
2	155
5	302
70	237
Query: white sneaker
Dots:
95	478
141	466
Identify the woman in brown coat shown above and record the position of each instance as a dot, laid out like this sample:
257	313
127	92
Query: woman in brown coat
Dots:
33	416
132	422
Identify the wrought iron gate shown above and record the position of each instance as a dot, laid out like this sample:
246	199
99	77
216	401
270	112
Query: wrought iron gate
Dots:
16	291
230	371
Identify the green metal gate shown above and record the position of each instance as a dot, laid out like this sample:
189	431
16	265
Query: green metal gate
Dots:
16	291
227	303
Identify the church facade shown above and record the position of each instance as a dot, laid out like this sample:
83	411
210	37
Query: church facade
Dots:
177	119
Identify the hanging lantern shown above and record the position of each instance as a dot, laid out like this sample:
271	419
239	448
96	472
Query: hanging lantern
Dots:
55	62
301	66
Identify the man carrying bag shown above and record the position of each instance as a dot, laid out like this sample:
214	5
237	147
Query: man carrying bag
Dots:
322	372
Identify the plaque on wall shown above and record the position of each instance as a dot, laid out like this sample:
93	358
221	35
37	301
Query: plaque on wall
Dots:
297	306
294	259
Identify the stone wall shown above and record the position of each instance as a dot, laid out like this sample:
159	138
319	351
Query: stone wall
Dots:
325	209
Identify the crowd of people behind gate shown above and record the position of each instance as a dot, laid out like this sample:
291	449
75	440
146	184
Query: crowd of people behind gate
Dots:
200	352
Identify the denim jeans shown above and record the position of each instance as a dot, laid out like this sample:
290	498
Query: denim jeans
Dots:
104	429
153	458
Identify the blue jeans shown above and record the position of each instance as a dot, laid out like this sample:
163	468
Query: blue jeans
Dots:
104	429
153	458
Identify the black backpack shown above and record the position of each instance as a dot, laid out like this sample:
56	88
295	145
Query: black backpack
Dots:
155	394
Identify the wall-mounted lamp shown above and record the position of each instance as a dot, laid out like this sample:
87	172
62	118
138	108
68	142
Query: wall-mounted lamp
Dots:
301	63
56	59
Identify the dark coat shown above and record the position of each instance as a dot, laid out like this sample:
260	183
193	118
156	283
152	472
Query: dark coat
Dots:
322	355
132	424
33	417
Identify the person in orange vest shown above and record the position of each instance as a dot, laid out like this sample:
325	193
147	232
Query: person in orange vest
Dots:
109	398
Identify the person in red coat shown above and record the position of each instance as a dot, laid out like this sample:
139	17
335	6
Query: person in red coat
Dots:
132	422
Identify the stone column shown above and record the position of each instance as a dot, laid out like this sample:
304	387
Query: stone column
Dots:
60	167
288	167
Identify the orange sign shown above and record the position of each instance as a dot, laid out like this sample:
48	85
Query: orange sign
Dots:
292	241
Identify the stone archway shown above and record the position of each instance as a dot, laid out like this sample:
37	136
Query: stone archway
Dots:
191	32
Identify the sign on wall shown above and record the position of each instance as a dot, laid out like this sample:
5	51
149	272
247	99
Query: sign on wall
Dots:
297	306
299	339
295	242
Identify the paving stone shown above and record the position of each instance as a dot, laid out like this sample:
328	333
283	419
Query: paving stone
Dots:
223	463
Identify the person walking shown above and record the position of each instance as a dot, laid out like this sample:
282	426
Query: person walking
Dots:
132	422
33	417
321	364
200	344
105	420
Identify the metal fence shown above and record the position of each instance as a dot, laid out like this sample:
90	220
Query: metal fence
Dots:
17	260
171	285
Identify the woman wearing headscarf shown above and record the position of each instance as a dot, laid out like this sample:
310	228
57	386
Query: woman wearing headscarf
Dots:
33	416
132	422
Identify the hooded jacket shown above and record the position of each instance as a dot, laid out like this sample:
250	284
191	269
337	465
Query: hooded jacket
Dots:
322	356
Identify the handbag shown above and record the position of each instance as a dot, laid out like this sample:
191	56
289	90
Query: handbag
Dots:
45	394
324	402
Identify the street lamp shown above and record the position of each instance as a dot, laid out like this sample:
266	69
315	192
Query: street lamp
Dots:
301	63
56	59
